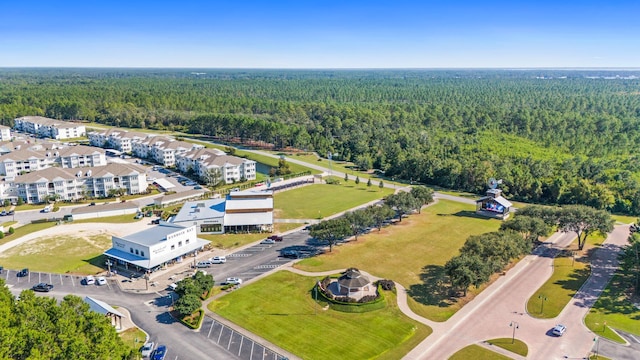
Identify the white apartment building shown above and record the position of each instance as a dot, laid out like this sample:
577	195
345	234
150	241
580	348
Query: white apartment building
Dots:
153	248
74	184
162	150
27	160
5	133
51	128
201	161
119	139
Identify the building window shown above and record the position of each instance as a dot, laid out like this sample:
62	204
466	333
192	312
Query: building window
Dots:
141	253
131	250
186	242
179	243
173	247
137	252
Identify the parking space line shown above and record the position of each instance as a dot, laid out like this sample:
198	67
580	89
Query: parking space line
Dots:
61	283
72	282
230	338
241	342
211	328
253	343
220	335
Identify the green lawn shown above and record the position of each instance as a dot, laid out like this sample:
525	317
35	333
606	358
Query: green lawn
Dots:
82	254
567	278
559	289
413	253
26	229
322	200
615	309
516	347
231	241
476	352
134	338
280	308
625	219
118	219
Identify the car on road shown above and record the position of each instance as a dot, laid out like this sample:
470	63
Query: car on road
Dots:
233	281
268	241
218	260
11	212
139	216
160	353
559	330
101	280
204	264
3	213
89	280
147	349
42	287
23	272
276	237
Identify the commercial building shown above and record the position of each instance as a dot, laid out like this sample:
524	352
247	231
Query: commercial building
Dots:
240	211
151	249
50	128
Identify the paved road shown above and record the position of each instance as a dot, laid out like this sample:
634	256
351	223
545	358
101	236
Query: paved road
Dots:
490	313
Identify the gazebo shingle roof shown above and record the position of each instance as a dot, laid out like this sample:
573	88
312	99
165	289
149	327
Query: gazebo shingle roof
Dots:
352	278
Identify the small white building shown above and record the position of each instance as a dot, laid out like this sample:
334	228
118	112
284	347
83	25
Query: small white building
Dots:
151	249
105	210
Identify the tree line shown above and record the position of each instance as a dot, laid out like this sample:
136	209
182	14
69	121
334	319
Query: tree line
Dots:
554	137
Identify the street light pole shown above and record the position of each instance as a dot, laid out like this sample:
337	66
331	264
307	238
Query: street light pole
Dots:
316	294
515	326
542	300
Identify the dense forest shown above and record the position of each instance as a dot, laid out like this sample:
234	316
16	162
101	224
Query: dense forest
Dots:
553	136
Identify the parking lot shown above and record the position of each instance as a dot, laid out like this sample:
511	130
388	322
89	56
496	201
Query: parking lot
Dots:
61	282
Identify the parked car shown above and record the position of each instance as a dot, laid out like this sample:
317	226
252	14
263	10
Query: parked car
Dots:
291	254
268	241
139	216
147	349
634	228
1	268
197	187
276	237
218	260
23	272
204	264
160	353
559	330
11	212
3	213
233	281
156	221
42	287
89	280
101	280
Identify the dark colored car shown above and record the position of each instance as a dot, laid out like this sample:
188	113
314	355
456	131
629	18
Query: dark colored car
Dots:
42	287
23	272
291	254
11	212
276	237
160	353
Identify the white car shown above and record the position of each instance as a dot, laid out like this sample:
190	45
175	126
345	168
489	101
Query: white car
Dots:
173	286
147	349
218	260
268	241
559	330
233	281
90	280
101	280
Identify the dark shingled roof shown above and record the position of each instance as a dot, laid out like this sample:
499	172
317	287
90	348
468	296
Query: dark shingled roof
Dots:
352	278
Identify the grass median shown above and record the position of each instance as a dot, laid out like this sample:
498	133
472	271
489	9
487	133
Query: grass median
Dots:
477	352
413	253
281	309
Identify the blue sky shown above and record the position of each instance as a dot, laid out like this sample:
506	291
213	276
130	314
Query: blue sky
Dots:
320	34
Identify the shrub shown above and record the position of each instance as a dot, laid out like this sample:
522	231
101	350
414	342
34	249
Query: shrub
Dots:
1	234
325	282
368	298
345	299
194	320
387	285
11	230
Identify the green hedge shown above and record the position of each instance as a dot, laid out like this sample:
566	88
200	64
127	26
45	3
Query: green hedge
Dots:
198	321
377	304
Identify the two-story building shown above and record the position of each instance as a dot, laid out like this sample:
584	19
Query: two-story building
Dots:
203	161
118	139
151	249
5	133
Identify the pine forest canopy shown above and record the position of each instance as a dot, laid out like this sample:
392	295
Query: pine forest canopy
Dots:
553	136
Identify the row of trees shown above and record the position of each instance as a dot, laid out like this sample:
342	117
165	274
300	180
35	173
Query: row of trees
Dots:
569	140
37	327
485	254
357	222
